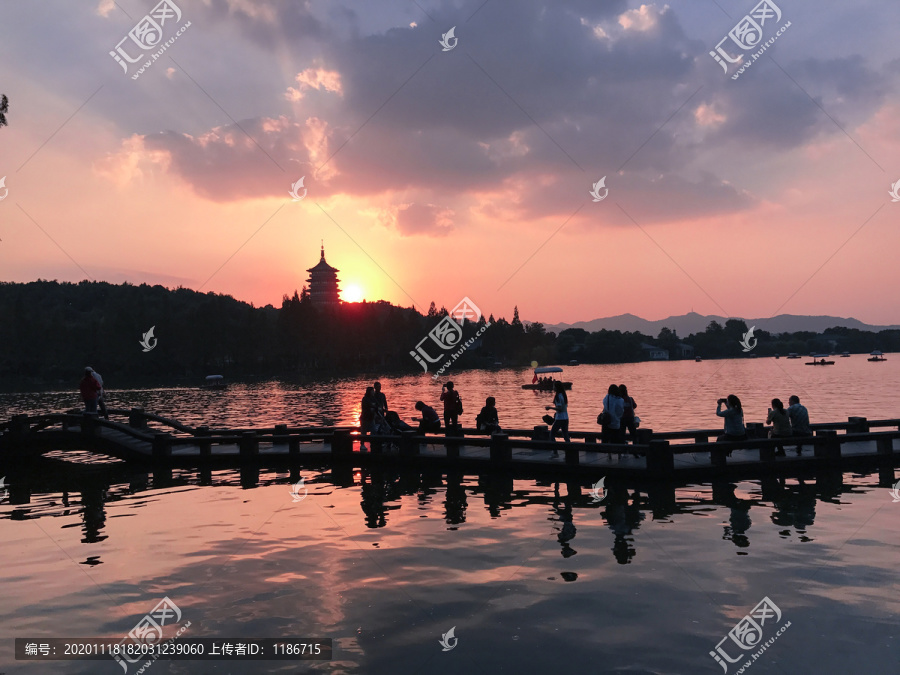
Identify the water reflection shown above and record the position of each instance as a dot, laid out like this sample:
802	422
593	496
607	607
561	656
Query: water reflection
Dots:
787	503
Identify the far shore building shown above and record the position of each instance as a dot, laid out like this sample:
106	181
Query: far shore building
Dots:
323	284
654	352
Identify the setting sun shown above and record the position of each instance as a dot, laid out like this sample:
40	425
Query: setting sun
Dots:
352	293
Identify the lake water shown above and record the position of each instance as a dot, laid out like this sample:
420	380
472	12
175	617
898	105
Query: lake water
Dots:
534	577
670	395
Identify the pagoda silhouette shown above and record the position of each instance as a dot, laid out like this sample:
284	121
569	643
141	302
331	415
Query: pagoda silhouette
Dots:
323	284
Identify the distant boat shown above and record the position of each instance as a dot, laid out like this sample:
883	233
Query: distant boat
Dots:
793	355
573	362
821	361
546	385
845	355
777	356
214	382
698	359
877	356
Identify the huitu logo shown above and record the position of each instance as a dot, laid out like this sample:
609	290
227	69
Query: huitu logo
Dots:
598	492
748	634
446	638
894	193
6	190
748	336
748	34
3	490
595	193
148	34
145	343
446	38
448	334
295	491
895	491
294	190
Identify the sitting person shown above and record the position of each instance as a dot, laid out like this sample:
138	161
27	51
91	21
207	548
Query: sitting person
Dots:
393	419
431	421
781	424
799	420
487	420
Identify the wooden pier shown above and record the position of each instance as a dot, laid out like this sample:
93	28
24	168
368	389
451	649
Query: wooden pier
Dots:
148	439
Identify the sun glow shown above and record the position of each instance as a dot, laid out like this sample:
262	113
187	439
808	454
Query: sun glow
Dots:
352	293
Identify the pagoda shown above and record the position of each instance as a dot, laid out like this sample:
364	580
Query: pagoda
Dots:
323	284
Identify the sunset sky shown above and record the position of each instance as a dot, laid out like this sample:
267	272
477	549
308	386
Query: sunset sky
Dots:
434	175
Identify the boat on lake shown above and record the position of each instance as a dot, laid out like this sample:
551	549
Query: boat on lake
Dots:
698	359
876	356
793	355
545	385
819	360
845	355
214	382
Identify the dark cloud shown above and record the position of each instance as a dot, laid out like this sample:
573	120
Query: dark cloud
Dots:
534	100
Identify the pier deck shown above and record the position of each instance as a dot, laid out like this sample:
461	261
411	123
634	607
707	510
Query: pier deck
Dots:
656	455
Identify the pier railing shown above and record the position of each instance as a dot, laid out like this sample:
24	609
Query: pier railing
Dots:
139	440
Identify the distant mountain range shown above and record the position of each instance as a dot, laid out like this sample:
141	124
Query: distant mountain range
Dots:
696	323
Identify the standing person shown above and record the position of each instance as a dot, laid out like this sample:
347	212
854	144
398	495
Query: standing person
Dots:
799	420
367	409
452	405
487	420
628	414
380	399
781	424
90	390
561	418
734	419
101	399
613	410
430	422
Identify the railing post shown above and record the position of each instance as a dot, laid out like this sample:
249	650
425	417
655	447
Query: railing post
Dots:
573	455
90	425
501	451
162	446
885	445
701	438
717	455
294	447
660	458
409	446
831	449
541	433
858	425
644	436
756	430
249	444
136	418
767	453
590	438
204	443
341	443
452	447
19	427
